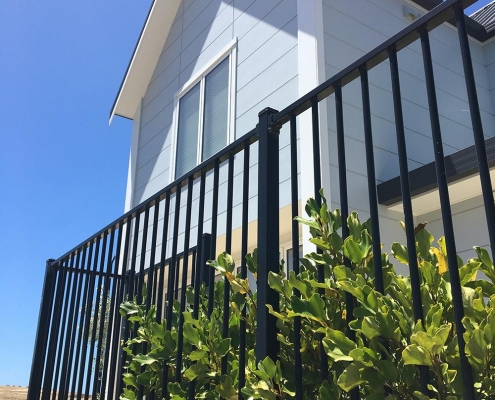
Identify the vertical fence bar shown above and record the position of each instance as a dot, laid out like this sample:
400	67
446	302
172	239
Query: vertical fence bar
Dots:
132	272
317	186
40	345
407	203
86	271
448	226
64	372
99	266
63	332
163	257
115	302
228	249
93	262
372	195
200	262
193	266
54	332
151	265
479	139
244	250
268	235
173	260
142	259
185	266
207	254
370	169
140	285
116	350
295	251
344	208
124	290
176	284
210	272
102	316
199	245
135	238
75	316
170	287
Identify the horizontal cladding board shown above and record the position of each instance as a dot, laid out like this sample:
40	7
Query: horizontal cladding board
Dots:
349	30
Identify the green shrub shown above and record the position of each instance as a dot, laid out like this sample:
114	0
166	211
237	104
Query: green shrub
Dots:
389	347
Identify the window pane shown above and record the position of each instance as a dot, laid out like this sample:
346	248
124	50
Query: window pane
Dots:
216	109
289	263
187	137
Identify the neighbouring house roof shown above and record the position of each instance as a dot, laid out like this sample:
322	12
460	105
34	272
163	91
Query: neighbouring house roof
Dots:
461	169
154	34
486	16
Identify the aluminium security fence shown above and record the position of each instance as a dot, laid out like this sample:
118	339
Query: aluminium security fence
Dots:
166	241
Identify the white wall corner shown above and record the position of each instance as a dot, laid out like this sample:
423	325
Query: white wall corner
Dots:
133	155
311	67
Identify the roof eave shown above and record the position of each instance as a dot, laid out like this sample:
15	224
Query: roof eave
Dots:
144	58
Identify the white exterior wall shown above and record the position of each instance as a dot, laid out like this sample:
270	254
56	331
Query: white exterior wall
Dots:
353	28
267	75
266	72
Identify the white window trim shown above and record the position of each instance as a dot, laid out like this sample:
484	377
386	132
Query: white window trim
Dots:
228	51
284	248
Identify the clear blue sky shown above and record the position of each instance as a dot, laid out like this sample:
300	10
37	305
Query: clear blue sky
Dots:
63	170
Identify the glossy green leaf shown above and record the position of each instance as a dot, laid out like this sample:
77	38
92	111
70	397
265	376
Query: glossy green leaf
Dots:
340	340
424	239
416	355
400	253
314	308
357	251
144	359
195	370
191	334
350	378
476	347
355	227
269	367
197	355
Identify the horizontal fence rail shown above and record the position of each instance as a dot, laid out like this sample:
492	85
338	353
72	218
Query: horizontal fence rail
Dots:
161	247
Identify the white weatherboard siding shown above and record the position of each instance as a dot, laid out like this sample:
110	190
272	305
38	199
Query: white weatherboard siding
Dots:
267	76
469	226
489	53
353	28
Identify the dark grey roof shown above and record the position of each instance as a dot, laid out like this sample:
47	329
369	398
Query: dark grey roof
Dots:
486	16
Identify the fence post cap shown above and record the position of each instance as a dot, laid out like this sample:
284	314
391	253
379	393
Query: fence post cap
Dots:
267	110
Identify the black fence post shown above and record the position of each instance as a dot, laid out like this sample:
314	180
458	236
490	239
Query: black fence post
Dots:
40	345
268	234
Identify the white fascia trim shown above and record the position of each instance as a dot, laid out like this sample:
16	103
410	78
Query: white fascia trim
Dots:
207	68
145	57
311	68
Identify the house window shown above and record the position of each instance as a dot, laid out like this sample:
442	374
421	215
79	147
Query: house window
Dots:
203	114
289	260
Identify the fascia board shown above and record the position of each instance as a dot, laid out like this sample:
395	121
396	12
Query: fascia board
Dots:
145	57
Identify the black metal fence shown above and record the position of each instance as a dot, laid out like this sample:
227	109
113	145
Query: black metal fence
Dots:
165	241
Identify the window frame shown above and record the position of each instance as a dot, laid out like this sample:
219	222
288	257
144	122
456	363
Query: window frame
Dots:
284	249
229	51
